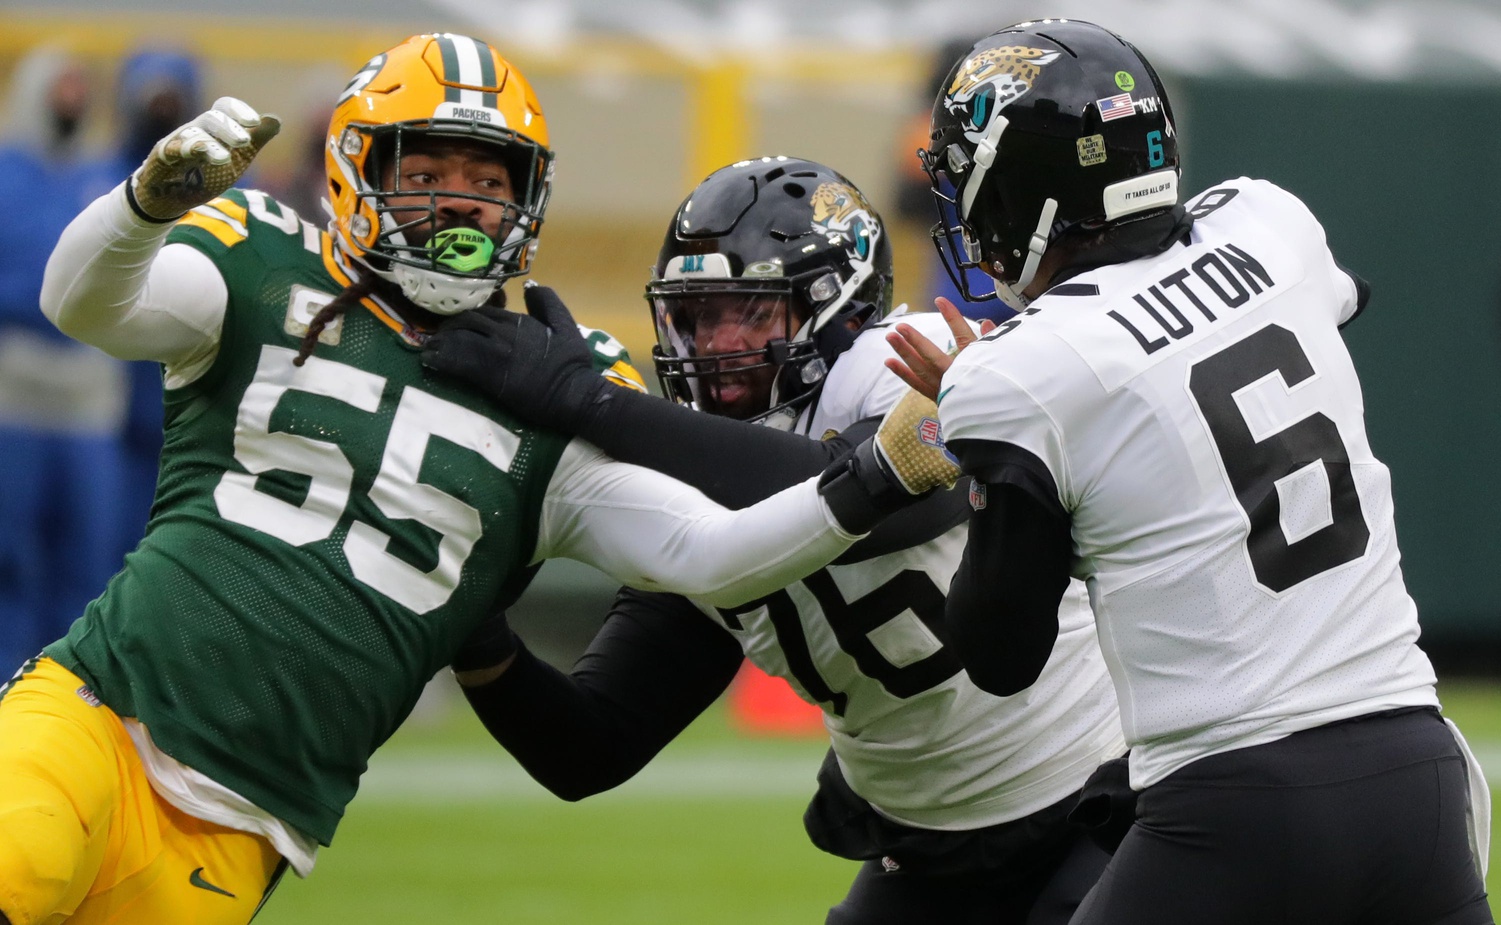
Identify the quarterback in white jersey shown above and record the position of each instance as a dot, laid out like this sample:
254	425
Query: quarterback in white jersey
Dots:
768	296
1217	369
1174	417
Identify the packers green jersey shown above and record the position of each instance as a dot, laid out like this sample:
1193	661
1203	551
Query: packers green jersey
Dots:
323	536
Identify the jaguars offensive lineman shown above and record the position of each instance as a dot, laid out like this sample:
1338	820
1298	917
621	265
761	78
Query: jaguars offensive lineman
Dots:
1175	417
331	521
769	297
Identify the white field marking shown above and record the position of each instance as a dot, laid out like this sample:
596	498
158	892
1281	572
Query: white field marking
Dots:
465	776
469	775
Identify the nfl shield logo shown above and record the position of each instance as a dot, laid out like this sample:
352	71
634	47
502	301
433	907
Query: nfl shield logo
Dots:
928	432
977	495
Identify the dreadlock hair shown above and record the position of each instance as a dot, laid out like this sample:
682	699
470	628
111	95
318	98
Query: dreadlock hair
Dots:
341	303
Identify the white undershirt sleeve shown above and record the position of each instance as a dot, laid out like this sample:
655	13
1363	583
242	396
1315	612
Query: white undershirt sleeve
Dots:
111	283
654	533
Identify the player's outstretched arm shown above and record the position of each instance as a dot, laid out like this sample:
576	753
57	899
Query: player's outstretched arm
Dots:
538	367
654	533
535	366
654	666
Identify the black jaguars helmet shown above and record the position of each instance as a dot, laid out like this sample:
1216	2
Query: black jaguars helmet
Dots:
1041	129
773	241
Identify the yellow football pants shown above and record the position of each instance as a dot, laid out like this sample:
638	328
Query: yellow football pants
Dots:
83	837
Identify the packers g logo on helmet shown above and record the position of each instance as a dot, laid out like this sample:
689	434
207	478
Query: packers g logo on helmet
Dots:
443	85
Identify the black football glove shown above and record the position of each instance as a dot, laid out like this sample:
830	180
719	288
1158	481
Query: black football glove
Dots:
536	366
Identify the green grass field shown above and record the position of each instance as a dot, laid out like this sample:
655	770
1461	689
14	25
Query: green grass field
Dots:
447	828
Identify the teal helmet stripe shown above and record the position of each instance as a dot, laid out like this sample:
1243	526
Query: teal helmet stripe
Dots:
487	73
451	74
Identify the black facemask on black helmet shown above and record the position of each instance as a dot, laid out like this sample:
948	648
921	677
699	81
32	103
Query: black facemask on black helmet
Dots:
1041	130
774	250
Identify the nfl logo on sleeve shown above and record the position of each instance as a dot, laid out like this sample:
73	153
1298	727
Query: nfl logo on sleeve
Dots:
977	495
930	433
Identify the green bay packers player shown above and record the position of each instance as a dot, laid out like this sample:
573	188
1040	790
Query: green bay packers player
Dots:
331	520
1175	418
771	297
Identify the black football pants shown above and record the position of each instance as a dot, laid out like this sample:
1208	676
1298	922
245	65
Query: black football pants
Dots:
1360	822
1045	895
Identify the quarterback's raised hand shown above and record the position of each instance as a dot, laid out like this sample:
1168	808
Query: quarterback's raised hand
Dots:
537	366
198	161
923	362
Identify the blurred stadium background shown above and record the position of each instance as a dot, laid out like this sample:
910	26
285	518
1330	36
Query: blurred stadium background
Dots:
1384	115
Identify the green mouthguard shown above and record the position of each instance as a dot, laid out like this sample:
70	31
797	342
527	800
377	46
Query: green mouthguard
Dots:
463	249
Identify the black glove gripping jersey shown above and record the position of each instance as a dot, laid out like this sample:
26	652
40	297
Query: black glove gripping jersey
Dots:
323	536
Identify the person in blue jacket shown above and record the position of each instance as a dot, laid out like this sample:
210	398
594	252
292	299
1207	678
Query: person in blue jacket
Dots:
61	402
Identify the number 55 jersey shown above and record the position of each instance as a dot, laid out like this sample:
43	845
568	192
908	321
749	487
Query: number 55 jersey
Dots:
1197	418
299	581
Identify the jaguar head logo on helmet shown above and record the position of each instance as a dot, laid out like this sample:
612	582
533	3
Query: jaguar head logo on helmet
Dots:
449	239
842	210
768	270
994	78
1041	142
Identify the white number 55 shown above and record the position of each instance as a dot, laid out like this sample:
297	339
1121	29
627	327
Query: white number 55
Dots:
396	492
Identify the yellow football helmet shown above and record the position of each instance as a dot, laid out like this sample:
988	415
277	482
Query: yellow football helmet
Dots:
436	85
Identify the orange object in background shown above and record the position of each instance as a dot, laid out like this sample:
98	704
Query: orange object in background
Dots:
762	705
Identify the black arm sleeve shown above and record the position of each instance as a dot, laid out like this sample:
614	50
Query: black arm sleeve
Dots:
655	665
737	464
1002	610
733	462
1362	294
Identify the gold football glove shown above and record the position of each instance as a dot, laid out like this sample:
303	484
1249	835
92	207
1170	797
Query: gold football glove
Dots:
200	160
903	462
910	447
